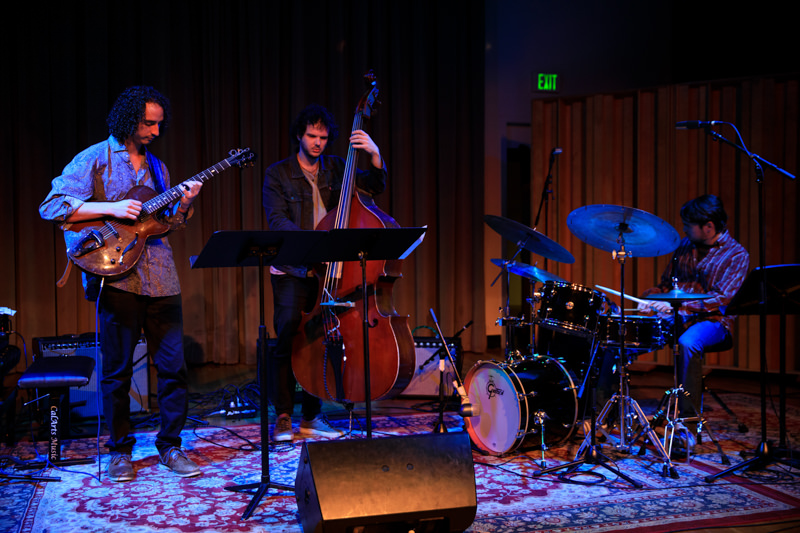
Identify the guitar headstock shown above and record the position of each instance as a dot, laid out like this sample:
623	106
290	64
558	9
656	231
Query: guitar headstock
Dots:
241	157
369	101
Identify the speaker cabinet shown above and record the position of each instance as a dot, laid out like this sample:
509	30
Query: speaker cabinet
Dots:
424	483
425	382
86	398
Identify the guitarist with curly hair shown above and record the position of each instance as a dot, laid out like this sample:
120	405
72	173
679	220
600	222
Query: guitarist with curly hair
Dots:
144	296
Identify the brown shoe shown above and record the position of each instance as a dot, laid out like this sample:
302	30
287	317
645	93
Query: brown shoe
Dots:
175	459
282	432
120	468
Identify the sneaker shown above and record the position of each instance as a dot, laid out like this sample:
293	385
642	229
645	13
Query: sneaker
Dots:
120	467
282	432
319	425
175	459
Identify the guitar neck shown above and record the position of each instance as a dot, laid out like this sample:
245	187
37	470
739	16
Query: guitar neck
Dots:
169	196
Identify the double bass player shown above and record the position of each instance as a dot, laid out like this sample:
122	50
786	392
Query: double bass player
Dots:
297	193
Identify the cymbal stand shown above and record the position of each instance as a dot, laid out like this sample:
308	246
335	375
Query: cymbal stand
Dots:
589	453
505	320
629	408
671	414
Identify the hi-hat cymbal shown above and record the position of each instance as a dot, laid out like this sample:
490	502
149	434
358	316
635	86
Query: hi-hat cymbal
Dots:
677	295
528	239
607	226
527	271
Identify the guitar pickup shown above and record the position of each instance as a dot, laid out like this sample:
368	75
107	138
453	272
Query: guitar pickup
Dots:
89	243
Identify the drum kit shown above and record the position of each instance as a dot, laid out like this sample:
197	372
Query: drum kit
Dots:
536	397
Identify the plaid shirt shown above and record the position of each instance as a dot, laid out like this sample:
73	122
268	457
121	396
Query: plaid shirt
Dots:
719	274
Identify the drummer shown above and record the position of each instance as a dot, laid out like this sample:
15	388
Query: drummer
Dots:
708	260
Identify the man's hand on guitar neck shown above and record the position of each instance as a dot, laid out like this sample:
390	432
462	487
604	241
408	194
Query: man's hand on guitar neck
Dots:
191	188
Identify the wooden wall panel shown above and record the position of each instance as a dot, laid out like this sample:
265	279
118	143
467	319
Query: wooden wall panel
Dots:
623	149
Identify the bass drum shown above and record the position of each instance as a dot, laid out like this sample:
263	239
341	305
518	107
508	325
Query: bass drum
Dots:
518	400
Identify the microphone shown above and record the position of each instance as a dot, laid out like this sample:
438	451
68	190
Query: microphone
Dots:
696	124
555	151
463	329
467	410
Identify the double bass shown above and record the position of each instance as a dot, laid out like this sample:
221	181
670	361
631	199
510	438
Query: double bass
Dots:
327	352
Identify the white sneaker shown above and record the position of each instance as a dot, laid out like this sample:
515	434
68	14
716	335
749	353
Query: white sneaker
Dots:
319	426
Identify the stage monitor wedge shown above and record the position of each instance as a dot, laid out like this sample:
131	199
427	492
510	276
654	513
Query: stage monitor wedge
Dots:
424	483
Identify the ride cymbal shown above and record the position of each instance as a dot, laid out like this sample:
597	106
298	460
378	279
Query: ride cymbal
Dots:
608	226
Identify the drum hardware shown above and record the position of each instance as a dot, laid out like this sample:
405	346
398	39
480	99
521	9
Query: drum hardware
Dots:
625	232
671	413
539	418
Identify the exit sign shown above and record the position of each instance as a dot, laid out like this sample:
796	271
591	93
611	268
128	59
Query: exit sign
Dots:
546	83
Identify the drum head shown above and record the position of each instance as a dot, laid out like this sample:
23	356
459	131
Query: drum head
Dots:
533	399
497	429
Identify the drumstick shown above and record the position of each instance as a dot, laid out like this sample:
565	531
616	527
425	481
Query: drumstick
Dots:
632	298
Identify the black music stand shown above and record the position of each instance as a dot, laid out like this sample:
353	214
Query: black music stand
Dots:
782	298
362	245
258	248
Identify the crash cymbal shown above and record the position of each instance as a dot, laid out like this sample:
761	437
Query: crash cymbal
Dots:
677	295
527	271
528	239
602	226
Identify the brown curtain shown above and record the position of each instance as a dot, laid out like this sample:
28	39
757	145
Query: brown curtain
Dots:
623	149
237	73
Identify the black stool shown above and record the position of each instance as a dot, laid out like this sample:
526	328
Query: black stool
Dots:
53	376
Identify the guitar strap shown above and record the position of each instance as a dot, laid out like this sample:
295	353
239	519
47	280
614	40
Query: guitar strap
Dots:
155	172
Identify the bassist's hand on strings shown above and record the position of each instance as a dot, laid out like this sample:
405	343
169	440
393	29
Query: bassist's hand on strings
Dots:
362	141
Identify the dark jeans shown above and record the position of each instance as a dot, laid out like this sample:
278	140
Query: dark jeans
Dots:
292	296
122	318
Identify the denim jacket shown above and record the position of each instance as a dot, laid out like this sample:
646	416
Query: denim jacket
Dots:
287	195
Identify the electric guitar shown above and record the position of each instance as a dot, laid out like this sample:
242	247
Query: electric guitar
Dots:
111	246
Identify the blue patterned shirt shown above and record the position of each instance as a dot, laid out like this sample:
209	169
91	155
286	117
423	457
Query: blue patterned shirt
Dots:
104	172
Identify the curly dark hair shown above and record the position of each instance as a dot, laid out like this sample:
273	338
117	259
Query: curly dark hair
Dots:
128	110
706	208
311	115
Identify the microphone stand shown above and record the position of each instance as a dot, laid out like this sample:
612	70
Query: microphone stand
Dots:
466	408
764	455
544	202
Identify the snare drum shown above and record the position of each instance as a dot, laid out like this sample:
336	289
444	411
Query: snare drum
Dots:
642	334
518	400
570	308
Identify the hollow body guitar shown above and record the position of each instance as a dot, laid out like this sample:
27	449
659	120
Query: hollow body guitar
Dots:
328	351
111	247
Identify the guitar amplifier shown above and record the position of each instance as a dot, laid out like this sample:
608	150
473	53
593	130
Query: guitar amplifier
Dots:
88	396
425	382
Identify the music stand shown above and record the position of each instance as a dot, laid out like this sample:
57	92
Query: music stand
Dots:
257	248
782	298
362	245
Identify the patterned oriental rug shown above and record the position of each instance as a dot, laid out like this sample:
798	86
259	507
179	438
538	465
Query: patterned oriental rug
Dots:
510	499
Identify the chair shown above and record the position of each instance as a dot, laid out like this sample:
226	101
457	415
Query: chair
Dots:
52	377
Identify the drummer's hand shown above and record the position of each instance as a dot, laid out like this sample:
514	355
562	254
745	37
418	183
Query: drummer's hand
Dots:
662	309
